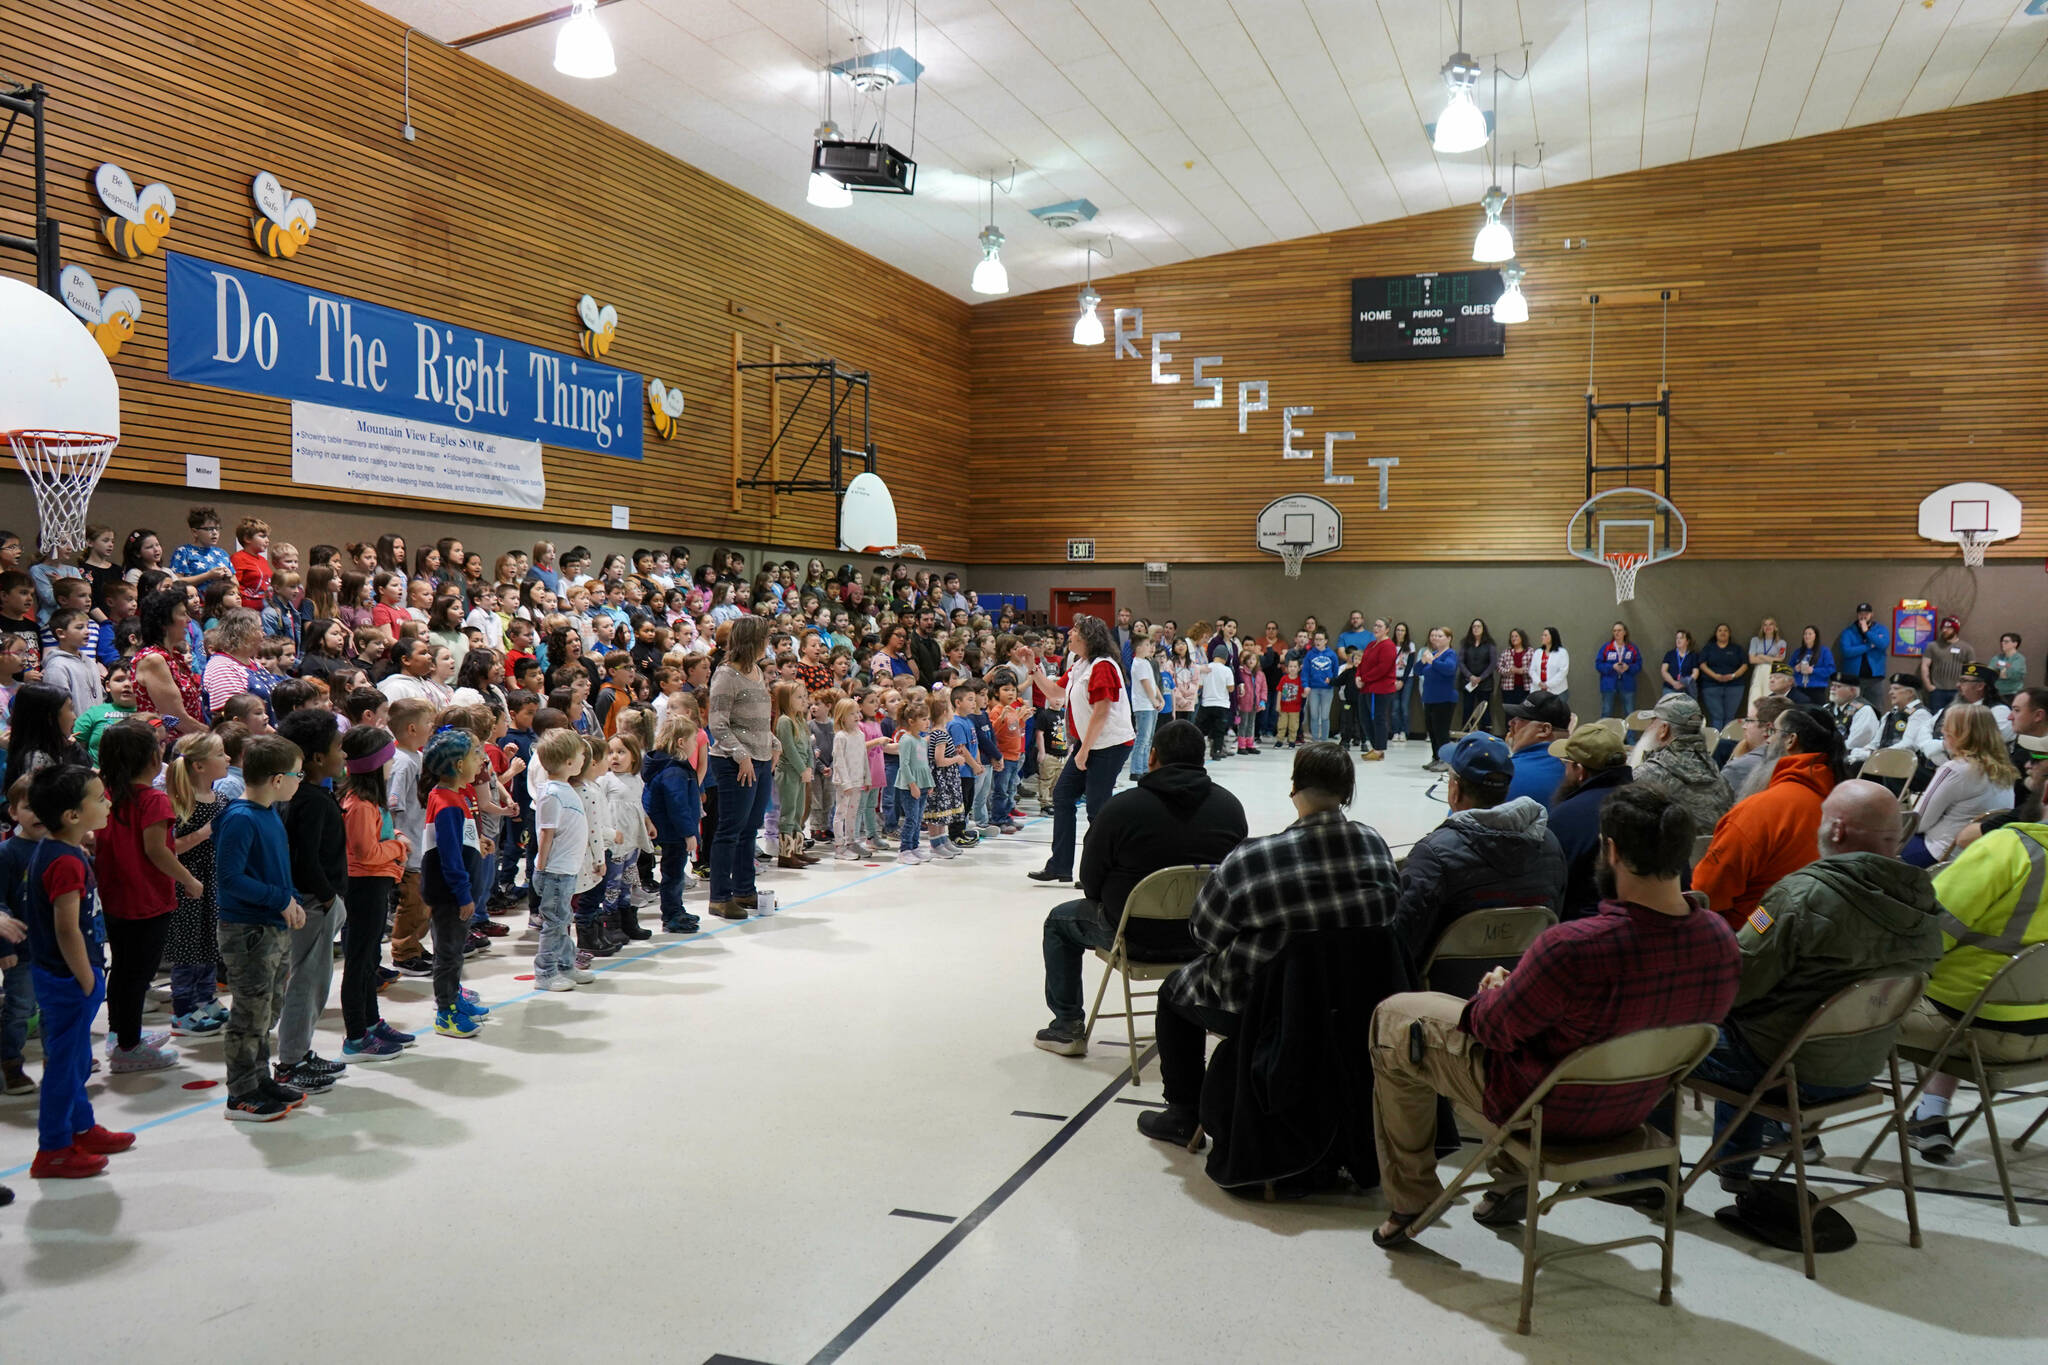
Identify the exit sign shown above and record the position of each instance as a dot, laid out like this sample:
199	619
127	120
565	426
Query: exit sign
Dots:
1080	551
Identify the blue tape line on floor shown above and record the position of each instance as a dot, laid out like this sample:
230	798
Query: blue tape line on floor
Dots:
205	1105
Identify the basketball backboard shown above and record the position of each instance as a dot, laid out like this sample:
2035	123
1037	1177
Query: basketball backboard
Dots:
867	519
1299	526
1625	529
1971	515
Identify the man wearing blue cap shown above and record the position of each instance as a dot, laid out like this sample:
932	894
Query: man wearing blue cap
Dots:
1490	852
1532	725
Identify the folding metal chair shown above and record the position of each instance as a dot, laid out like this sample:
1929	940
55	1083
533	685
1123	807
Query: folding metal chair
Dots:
1168	894
1614	725
2021	981
1500	934
1658	1054
1640	721
1476	721
1872	1005
1700	844
1897	764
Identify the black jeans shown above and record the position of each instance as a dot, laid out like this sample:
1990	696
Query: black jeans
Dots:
1215	723
136	949
451	938
368	901
1183	1047
1437	715
1382	704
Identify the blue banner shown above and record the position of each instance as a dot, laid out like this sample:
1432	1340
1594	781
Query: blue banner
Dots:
236	329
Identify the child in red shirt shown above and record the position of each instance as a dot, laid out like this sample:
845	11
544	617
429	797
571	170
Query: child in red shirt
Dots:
252	564
1288	735
136	865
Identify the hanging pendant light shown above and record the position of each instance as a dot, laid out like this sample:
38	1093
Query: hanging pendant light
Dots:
989	275
1511	307
583	49
1495	242
1461	127
1088	327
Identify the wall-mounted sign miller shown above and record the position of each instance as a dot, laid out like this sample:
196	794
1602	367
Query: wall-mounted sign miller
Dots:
138	221
664	406
283	220
1080	552
111	318
600	326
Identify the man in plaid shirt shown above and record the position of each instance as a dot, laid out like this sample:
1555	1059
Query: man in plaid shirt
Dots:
1652	957
1321	872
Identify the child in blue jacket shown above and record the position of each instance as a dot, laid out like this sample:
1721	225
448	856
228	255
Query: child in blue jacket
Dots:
673	798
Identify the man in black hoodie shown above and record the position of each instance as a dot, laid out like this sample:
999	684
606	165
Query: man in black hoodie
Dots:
1174	817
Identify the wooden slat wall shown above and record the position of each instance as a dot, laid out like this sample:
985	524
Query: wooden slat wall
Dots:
507	208
1863	318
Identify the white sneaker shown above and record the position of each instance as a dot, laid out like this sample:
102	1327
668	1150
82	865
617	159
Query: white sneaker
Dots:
910	857
556	983
924	855
849	854
946	851
580	976
144	1056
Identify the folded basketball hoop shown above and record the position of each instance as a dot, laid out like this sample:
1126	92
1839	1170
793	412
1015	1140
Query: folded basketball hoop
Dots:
867	520
60	407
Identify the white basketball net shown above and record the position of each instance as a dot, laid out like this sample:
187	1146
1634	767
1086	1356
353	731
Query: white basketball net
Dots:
1625	565
1974	544
1290	559
63	467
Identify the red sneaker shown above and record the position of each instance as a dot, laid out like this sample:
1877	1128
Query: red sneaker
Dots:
493	929
99	1142
66	1163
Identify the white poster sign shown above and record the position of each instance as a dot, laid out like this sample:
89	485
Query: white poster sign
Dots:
371	453
202	471
622	517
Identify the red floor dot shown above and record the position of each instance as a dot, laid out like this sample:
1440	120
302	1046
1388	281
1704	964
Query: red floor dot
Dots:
527	977
200	1085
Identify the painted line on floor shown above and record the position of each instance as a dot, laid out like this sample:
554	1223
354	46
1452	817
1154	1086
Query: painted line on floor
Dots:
960	1231
1142	1104
1034	1114
220	1101
927	1217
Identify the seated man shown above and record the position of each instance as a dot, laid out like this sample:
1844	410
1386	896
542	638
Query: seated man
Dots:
1858	912
1532	725
1675	761
1855	718
1653	957
1490	852
1979	686
1595	767
1173	817
1908	724
1321	872
1992	907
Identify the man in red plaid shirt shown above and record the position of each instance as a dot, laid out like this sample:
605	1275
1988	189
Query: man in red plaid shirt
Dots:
1654	956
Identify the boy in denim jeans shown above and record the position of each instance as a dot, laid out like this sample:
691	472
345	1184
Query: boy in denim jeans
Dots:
563	847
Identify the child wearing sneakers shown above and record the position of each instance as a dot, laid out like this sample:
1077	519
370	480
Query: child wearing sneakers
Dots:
672	799
623	788
793	763
194	948
412	722
849	778
252	865
587	904
139	875
824	800
449	871
872	740
560	856
913	778
65	947
943	808
1251	701
376	860
1287	734
1006	718
960	730
17	977
313	824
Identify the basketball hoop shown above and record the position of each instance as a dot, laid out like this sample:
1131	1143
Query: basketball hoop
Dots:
1974	544
1625	565
60	407
1290	559
63	467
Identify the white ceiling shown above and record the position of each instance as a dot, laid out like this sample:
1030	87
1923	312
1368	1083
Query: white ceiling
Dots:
1202	126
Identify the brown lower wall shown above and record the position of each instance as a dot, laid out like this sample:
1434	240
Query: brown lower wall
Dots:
1577	599
305	523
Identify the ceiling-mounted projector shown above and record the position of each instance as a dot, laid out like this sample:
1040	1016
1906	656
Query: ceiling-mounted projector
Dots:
872	167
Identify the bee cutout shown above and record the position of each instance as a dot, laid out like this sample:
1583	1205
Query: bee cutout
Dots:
111	319
283	221
600	326
138	222
664	405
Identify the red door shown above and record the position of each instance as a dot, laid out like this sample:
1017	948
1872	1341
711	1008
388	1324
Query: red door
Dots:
1067	603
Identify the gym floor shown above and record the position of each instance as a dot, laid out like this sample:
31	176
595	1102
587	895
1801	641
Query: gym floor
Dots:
826	1134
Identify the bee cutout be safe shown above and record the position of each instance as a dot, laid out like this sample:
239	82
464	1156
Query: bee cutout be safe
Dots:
137	221
600	326
283	220
110	318
664	406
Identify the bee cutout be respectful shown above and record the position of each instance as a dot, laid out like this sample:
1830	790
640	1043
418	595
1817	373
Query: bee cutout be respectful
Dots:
137	221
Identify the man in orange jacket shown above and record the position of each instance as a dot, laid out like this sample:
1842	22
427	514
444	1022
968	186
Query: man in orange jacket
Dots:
1777	831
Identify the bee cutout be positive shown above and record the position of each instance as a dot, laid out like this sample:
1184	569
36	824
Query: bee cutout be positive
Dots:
110	319
138	222
283	220
600	326
664	406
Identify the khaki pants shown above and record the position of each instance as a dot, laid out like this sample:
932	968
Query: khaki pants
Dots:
1048	774
409	925
1289	729
1404	1092
1926	1027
